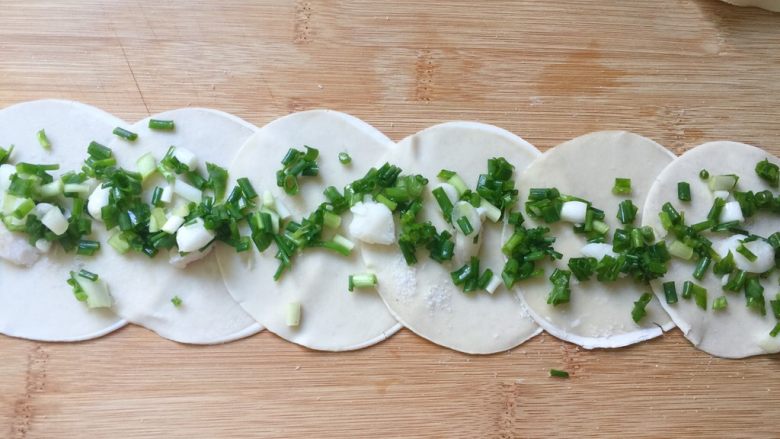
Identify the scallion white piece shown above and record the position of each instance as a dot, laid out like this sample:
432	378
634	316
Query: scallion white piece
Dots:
574	212
97	201
185	157
187	191
146	165
373	223
172	224
55	221
293	314
731	212
193	236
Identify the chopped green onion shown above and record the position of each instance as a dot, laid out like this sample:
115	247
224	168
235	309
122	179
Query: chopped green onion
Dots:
561	293
146	165
622	186
744	251
293	314
639	311
44	140
125	134
87	247
559	373
465	225
163	125
119	243
344	158
701	267
769	172
247	188
775	305
176	301
754	293
723	183
700	296
775	330
683	191
670	292
582	268
725	266
720	303
626	212
217	181
735	281
5	154
458	184
704	174
367	280
680	250
445	204
88	275
98	151
331	220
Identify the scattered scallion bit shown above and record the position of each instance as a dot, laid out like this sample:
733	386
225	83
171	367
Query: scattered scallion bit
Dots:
162	125
469	278
344	158
43	140
683	191
5	154
754	293
88	275
639	311
670	292
769	172
775	305
622	186
720	303
559	373
293	314
125	134
775	330
744	251
561	293
366	280
176	301
704	174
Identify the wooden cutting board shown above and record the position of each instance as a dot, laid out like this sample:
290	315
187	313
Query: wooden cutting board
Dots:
680	72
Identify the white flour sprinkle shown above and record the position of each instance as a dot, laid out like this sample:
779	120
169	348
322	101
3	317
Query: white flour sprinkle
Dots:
438	298
405	279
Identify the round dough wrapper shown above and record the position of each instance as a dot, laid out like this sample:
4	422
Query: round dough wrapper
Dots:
332	318
770	5
36	302
143	287
598	314
736	331
423	296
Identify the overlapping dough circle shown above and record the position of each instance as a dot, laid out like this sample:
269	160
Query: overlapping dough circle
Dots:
11	323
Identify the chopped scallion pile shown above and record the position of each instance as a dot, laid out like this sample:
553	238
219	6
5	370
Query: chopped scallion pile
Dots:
297	163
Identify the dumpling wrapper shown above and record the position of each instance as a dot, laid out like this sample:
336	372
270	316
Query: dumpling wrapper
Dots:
143	287
332	318
36	302
770	5
423	296
737	331
599	313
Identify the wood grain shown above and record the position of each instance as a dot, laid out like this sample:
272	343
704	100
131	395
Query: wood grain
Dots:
680	72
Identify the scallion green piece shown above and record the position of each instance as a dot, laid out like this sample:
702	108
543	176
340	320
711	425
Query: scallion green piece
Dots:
683	191
125	134
465	225
87	247
744	251
561	293
704	174
736	281
680	250
775	305
559	373
775	330
626	212
366	280
344	158
88	275
176	301
162	125
769	172
720	303
622	186
754	293
582	268
670	292
43	140
701	267
445	204
5	154
639	311
247	188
